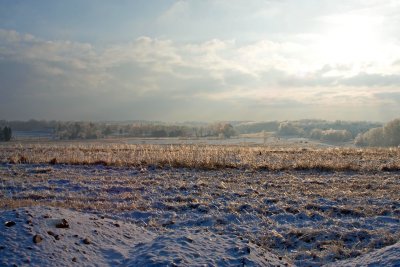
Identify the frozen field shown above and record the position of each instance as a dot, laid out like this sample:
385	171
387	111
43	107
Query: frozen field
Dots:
160	215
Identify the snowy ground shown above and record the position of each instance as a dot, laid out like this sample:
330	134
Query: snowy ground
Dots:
94	240
186	217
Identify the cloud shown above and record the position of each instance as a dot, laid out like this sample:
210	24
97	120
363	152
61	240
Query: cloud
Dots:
151	78
375	79
389	97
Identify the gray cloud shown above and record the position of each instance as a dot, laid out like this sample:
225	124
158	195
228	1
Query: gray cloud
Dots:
393	97
365	79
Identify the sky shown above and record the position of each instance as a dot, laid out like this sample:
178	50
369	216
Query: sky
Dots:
200	60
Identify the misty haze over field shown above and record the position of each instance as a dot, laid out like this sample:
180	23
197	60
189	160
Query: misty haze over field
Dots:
200	60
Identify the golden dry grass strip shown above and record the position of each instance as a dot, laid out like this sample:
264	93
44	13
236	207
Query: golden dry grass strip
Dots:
206	156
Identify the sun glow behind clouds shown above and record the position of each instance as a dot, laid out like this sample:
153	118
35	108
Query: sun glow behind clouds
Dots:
350	39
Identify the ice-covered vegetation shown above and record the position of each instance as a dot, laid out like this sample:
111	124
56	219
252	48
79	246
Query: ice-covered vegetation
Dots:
331	135
388	135
339	131
363	133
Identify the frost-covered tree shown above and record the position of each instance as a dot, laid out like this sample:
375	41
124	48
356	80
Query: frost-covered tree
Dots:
388	135
288	128
391	133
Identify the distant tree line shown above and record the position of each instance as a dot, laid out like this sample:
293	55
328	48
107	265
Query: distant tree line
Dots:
90	130
79	130
326	135
30	125
331	135
94	130
364	133
316	129
257	127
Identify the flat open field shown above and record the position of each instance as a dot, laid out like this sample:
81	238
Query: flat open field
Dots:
306	206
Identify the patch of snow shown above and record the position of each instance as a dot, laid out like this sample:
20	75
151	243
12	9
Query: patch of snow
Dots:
96	240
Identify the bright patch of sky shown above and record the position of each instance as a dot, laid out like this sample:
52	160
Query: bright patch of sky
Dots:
200	60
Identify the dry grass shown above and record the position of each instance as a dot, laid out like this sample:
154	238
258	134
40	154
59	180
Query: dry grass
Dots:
206	156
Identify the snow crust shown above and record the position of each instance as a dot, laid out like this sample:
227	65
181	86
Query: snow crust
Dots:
96	240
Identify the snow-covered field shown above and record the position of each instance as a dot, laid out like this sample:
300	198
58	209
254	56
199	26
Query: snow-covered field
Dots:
134	216
36	239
